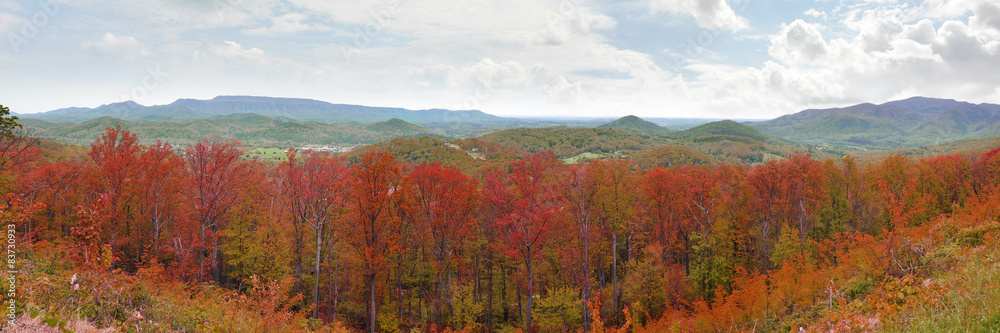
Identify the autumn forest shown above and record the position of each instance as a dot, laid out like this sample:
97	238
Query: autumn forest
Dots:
197	238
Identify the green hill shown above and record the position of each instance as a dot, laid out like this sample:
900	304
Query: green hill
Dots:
397	126
251	129
637	125
727	128
567	141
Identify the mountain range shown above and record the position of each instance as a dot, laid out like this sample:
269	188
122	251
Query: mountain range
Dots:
911	122
281	108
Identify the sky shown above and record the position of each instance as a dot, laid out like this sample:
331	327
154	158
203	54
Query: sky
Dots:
651	58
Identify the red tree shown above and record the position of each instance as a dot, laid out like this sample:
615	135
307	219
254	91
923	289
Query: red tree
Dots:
214	178
581	194
316	189
161	180
534	201
446	199
376	189
116	153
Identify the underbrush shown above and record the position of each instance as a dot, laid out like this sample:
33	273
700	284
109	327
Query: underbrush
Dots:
55	291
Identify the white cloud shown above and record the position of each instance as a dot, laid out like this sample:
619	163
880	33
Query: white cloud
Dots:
712	14
233	50
565	25
815	13
286	24
564	92
882	60
10	5
987	15
798	42
110	45
10	24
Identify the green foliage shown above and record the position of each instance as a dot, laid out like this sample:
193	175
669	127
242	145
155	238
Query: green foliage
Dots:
644	288
561	308
253	246
787	247
388	322
8	123
467	310
709	269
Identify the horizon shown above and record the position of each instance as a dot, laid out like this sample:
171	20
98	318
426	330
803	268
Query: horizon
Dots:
710	59
515	116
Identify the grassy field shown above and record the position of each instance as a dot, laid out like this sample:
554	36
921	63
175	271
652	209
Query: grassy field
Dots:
582	157
275	155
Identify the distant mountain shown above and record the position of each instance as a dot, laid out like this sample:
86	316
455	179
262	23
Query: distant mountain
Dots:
281	108
911	122
251	129
638	125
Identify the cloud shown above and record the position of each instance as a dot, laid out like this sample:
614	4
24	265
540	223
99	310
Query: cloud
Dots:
987	15
286	24
233	50
10	5
110	45
883	59
564	92
798	42
487	73
10	24
815	13
712	14
567	24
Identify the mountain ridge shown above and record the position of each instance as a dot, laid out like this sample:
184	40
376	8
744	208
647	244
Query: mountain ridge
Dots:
910	122
293	108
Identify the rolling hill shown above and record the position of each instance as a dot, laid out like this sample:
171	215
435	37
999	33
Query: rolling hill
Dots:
567	141
911	122
637	125
723	128
251	129
281	108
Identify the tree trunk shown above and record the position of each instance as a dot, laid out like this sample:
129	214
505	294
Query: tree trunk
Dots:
586	277
299	240
216	272
201	262
531	292
614	266
336	289
319	255
371	303
489	299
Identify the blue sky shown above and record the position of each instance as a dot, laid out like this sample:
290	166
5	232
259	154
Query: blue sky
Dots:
652	58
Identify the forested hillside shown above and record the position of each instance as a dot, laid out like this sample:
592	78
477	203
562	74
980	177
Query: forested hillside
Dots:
251	129
470	235
905	123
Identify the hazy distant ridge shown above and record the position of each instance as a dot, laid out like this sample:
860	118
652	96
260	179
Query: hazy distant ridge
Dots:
282	108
